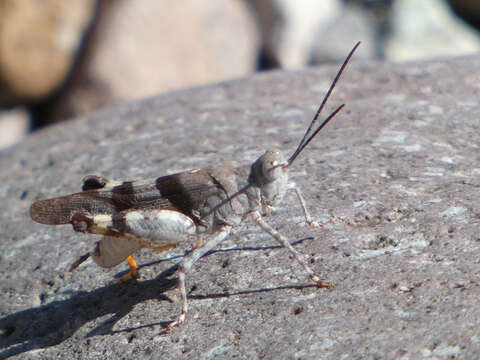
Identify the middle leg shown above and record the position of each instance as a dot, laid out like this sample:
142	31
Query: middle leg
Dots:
187	263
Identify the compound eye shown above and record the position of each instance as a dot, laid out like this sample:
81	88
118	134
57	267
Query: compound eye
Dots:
270	166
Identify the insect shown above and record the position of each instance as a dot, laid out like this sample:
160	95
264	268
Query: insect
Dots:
161	213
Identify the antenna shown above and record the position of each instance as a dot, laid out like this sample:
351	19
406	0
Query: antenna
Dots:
306	138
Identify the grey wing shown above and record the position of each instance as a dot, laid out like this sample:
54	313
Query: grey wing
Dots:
60	210
185	192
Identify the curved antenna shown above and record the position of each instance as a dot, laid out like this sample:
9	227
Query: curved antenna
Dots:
306	138
317	130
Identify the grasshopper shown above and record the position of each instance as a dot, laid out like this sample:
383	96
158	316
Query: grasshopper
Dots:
161	213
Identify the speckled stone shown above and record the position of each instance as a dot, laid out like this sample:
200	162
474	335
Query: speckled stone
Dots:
395	178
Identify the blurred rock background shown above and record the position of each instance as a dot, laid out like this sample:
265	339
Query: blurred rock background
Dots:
63	59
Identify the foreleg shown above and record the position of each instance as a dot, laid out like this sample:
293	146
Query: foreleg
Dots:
303	204
257	217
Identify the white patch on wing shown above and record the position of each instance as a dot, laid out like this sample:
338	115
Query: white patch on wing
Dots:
103	220
113	183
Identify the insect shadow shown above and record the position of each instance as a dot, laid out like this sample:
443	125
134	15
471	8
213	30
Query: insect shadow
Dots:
51	324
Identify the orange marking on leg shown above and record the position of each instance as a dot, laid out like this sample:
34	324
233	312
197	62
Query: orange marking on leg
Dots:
133	269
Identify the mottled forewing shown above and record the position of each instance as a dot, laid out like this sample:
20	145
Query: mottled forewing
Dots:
185	192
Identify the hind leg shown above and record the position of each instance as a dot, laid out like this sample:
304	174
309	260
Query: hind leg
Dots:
130	230
132	273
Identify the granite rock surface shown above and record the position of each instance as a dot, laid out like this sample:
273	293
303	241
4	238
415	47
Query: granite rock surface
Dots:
395	179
